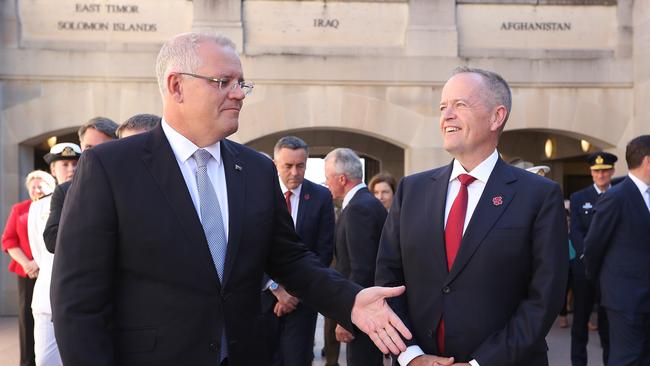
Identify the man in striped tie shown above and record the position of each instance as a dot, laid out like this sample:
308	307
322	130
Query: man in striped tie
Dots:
479	244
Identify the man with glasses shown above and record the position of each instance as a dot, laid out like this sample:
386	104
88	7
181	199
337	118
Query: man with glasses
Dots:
174	229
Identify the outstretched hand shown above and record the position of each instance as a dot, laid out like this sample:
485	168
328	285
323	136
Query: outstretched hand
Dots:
374	317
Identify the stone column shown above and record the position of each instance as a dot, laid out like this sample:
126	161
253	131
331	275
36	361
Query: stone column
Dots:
432	28
641	58
221	16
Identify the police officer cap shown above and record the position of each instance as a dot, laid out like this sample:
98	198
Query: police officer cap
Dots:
63	151
601	160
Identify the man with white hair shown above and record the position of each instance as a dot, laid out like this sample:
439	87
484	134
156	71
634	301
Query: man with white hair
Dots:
174	228
356	240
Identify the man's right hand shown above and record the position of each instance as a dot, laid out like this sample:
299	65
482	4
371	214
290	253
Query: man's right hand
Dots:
286	301
431	360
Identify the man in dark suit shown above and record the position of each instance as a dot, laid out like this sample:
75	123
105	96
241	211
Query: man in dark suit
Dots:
291	323
617	253
170	232
94	132
480	245
357	238
584	292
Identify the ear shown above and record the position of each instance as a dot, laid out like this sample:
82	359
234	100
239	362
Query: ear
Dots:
498	118
174	87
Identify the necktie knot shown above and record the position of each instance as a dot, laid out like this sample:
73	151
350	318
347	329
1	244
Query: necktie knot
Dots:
466	179
201	156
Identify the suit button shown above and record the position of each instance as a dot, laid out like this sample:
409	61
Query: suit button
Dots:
446	290
213	346
225	297
430	333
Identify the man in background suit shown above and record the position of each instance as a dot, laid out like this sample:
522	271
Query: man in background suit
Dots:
292	323
357	238
585	292
617	253
171	231
94	132
480	245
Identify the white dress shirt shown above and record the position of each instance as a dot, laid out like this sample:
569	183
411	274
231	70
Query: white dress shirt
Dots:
599	191
348	196
643	188
183	150
294	199
39	211
474	191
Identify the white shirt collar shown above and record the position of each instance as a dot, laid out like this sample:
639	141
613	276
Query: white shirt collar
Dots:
351	193
598	189
639	184
295	191
183	148
481	172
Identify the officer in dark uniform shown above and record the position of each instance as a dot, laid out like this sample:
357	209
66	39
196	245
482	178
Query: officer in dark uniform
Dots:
585	292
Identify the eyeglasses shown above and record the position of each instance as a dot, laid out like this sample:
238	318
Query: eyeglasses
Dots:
224	83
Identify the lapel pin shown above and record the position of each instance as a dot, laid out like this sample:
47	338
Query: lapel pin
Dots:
497	201
307	196
238	167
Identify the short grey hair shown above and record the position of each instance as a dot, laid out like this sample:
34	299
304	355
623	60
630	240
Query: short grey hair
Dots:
292	143
346	162
180	54
101	124
143	121
497	88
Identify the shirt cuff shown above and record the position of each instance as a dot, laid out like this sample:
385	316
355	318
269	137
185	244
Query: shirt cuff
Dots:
268	284
473	363
407	356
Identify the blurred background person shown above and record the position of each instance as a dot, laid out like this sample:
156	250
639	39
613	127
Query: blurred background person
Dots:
586	292
15	242
382	186
94	132
137	124
62	159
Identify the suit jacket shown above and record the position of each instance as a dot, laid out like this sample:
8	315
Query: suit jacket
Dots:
56	206
507	283
582	211
315	227
134	282
357	237
617	249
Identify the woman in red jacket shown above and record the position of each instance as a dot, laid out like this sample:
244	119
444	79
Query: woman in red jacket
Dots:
15	242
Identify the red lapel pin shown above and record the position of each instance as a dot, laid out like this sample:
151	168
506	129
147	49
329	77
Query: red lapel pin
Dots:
497	201
307	196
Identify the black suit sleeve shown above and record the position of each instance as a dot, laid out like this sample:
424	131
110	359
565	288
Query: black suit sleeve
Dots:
324	245
83	273
578	233
603	224
361	244
52	225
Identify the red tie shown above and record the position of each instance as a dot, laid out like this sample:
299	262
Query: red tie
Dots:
453	236
287	198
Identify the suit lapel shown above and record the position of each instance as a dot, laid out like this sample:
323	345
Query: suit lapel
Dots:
161	162
235	172
303	204
435	196
496	197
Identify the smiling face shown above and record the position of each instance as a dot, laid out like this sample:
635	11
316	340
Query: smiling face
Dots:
470	123
209	113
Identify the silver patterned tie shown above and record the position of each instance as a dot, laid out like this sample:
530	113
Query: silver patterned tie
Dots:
212	222
211	218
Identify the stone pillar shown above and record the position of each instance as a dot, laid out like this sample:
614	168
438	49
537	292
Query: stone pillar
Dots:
221	16
641	58
418	159
432	28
